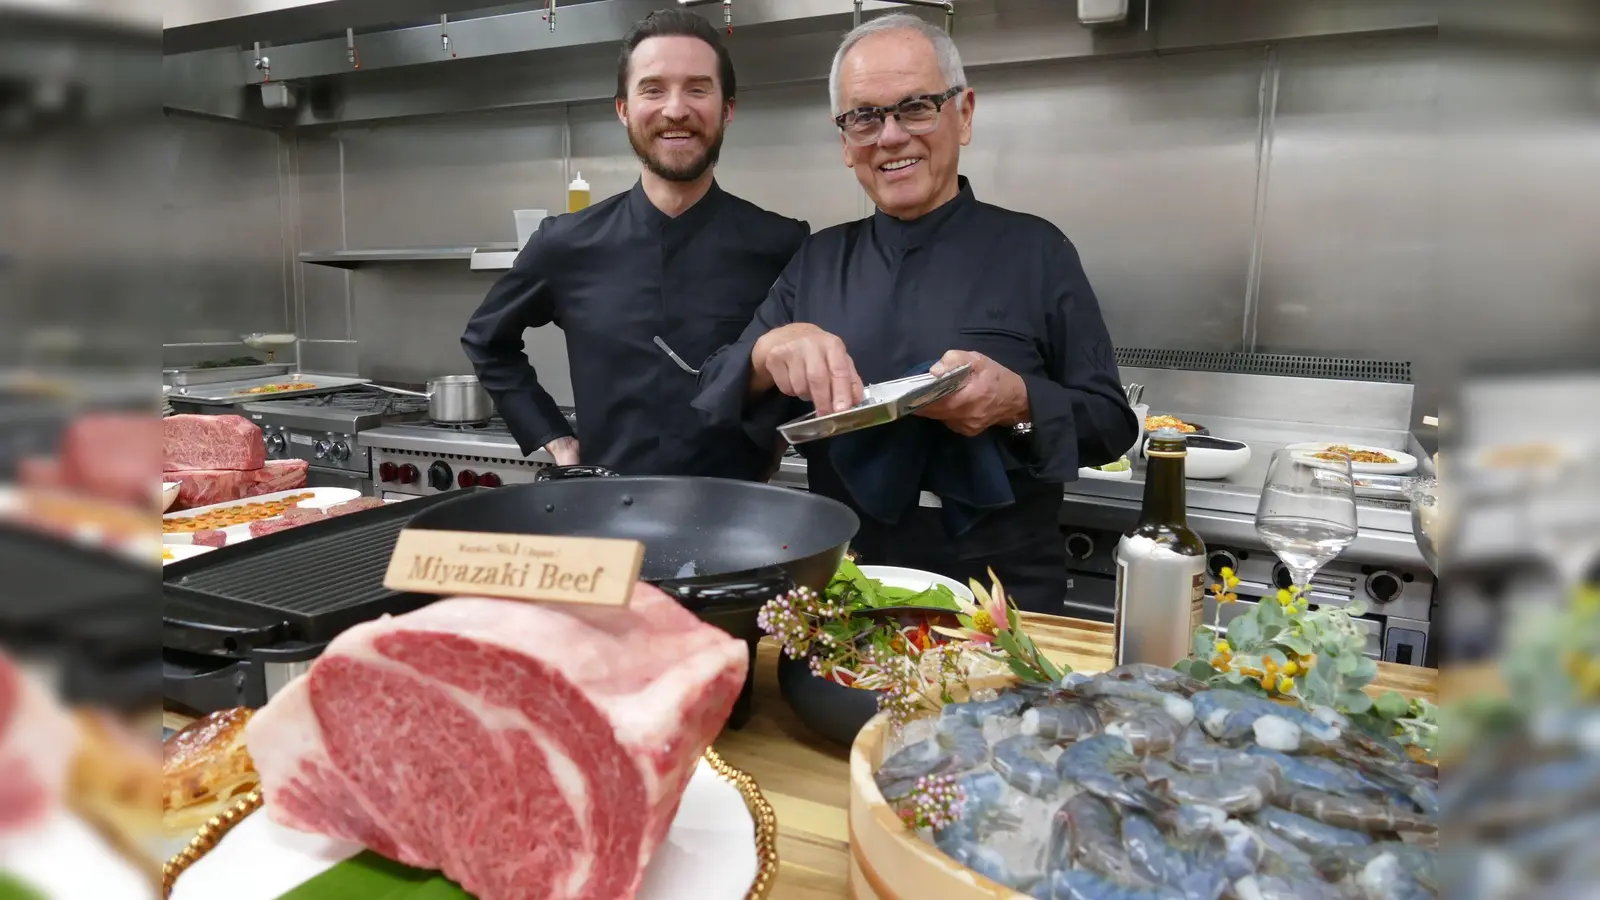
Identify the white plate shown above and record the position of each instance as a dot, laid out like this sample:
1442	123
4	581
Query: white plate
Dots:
184	551
1404	463
709	854
321	498
169	493
1102	475
64	859
914	579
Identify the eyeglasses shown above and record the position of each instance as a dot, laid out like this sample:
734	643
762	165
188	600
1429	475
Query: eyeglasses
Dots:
917	115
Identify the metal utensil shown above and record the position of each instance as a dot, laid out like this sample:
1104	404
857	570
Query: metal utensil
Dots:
675	357
883	403
452	399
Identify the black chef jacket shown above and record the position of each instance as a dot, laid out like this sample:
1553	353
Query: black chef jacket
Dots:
967	276
613	277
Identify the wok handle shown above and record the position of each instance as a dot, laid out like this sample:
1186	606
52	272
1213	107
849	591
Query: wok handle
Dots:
559	473
714	590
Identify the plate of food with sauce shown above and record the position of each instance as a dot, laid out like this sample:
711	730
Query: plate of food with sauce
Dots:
1363	459
1155	423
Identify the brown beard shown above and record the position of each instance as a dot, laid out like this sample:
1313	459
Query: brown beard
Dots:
689	171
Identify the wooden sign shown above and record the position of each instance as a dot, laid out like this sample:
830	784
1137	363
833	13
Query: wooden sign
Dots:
599	571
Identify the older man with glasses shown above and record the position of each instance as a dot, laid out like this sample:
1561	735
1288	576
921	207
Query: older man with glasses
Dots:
936	277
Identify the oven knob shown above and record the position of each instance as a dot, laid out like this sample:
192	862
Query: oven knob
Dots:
276	443
387	471
440	478
1219	560
1384	586
322	449
489	480
467	478
1079	545
408	474
341	450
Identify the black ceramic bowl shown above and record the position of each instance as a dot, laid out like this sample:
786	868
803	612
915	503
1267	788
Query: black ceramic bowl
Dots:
829	708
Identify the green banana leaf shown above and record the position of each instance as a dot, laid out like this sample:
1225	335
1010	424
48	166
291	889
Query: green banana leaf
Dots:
369	876
13	889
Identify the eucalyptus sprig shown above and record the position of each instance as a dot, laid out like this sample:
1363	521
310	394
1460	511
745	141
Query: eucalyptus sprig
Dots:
1283	648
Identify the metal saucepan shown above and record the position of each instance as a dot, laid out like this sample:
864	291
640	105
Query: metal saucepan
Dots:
453	400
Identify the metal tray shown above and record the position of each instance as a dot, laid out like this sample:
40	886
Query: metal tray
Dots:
189	376
229	392
884	403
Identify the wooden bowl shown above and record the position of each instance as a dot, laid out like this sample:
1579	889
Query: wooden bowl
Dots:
887	860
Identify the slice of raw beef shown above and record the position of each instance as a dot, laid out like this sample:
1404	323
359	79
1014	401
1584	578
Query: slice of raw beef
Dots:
529	751
210	537
37	743
211	442
353	506
264	527
203	487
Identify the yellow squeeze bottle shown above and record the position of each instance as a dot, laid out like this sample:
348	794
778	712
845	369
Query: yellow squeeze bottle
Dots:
577	194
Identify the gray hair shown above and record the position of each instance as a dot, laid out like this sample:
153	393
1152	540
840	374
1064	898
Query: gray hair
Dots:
943	47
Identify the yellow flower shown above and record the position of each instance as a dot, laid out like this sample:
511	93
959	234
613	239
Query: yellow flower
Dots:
1285	684
1222	647
1291	668
1229	578
1285	597
1219	663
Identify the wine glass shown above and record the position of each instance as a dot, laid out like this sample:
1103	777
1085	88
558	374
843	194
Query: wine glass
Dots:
1307	512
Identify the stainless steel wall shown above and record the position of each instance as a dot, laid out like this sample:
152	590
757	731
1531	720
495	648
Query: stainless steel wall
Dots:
227	235
1279	197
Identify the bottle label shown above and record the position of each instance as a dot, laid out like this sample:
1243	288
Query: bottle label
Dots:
1197	604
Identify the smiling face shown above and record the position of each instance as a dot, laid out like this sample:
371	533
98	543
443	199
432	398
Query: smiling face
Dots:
906	175
674	110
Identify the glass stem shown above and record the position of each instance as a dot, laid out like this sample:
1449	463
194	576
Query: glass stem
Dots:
1302	578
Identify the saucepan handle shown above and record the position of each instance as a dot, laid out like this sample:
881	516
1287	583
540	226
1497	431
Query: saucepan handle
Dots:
559	473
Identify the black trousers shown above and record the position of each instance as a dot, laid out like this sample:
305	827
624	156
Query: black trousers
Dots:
1032	567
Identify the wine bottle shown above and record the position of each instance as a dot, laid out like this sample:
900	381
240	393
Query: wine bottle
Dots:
1161	564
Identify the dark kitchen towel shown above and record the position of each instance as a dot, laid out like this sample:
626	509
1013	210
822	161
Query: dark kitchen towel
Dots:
887	467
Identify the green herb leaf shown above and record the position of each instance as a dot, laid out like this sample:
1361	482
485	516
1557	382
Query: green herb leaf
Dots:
1347	664
1366	669
1007	641
1243	634
1355	702
1050	669
1294	644
1023	670
1013	619
12	888
1391	705
372	877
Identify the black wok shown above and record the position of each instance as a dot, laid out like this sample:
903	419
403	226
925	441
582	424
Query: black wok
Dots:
723	548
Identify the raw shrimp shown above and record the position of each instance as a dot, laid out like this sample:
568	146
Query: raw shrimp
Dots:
899	773
1062	722
1285	887
1356	813
1386	878
1150	730
1230	716
1420	862
1100	765
986	861
974	712
1233	790
1309	834
1158	860
1301	772
981	810
1166	679
1017	759
1197	753
1084	831
1080	884
1096	686
965	743
1235	849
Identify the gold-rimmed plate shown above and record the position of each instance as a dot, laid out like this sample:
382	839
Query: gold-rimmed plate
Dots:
722	846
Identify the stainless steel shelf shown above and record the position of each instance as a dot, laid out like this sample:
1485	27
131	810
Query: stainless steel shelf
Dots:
482	257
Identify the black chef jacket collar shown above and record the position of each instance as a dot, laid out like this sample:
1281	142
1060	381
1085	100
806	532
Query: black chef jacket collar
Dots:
691	218
907	233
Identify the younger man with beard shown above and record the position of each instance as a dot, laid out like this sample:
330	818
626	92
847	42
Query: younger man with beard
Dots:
674	261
